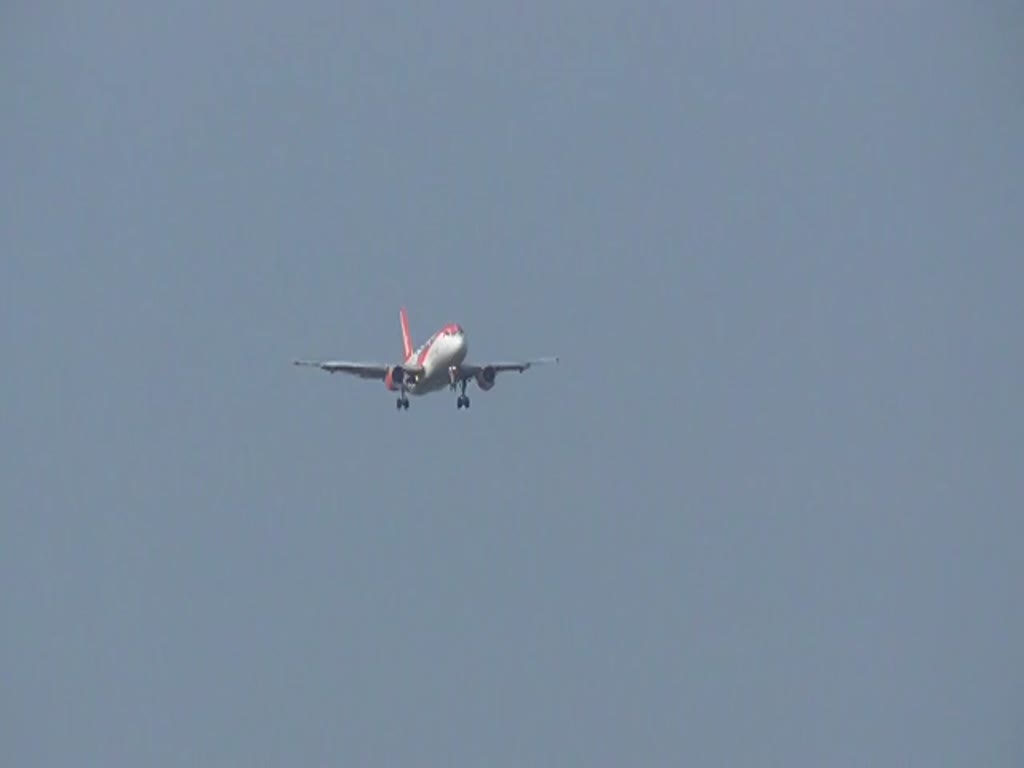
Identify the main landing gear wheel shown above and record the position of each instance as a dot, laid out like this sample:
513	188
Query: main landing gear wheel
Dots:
402	402
462	402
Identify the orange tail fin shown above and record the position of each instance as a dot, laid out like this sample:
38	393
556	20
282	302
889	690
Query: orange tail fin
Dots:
407	347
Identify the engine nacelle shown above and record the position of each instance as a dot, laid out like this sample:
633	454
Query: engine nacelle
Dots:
485	377
394	377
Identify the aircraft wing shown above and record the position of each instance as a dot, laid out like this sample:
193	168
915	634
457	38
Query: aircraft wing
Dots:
469	370
362	370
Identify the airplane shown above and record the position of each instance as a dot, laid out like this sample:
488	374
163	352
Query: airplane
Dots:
437	363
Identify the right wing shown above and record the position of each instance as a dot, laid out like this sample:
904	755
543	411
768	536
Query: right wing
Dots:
469	370
362	370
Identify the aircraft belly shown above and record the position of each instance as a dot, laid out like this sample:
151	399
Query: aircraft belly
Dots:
435	369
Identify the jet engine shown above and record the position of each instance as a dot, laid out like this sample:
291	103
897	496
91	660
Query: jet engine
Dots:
485	377
394	377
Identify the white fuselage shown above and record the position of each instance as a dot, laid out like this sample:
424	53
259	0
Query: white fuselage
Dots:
445	349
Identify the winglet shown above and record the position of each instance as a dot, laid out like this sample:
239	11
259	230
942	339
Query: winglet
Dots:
407	348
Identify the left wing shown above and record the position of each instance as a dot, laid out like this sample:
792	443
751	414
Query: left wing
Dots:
362	370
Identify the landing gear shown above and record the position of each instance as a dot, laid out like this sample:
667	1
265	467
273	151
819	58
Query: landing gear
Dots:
463	399
402	402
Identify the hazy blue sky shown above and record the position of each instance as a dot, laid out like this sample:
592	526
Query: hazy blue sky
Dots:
767	511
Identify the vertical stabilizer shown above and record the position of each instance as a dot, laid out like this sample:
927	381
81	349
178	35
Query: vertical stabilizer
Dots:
407	348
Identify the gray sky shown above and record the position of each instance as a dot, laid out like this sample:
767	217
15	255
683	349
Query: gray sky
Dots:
766	512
